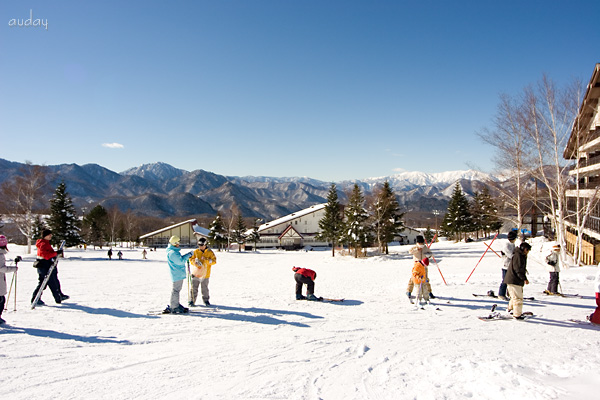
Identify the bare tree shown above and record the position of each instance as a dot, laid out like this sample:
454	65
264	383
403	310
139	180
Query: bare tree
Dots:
231	217
22	198
549	115
512	157
114	219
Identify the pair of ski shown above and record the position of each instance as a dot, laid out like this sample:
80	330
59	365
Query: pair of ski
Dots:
497	316
196	310
560	294
326	299
47	277
495	297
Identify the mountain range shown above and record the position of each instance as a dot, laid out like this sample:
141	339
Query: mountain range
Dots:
161	190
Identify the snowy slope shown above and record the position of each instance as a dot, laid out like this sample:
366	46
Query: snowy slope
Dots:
260	343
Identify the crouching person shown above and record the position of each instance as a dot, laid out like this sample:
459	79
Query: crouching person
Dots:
306	276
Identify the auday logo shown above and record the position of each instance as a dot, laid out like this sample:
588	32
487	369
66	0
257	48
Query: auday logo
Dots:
28	22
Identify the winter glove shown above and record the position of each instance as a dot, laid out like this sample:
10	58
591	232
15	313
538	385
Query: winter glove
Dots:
59	252
18	259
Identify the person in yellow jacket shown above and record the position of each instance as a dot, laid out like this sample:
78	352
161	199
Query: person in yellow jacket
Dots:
419	277
202	260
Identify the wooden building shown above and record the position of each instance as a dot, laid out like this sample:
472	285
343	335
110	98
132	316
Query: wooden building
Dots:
188	231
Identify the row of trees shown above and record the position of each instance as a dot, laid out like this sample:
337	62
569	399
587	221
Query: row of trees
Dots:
363	221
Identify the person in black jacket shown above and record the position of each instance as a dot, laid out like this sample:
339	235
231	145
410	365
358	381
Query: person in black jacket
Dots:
516	278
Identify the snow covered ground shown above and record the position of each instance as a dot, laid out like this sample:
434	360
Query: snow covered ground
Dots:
258	342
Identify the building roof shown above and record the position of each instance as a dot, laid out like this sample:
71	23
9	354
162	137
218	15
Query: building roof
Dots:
292	216
585	114
291	232
195	227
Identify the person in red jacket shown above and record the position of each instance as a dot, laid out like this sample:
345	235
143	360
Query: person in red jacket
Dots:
45	259
305	276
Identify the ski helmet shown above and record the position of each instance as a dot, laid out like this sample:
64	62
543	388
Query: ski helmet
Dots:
512	235
202	242
3	241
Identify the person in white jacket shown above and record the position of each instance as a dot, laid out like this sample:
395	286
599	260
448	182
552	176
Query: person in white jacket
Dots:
553	266
507	251
3	270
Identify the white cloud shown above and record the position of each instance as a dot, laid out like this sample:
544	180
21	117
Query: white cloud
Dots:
113	145
399	170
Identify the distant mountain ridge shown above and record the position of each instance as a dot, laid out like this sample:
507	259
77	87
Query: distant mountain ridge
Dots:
159	189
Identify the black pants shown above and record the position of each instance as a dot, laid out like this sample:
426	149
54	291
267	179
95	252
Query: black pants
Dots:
2	301
53	283
300	280
553	284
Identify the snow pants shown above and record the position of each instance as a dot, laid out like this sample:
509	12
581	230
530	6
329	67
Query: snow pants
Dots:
553	284
177	285
2	301
301	280
595	317
502	288
411	284
516	299
53	283
423	292
203	283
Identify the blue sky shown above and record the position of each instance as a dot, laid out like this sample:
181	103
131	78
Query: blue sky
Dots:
333	90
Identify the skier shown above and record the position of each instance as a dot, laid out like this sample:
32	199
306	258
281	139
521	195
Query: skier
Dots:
176	263
419	277
45	259
305	276
120	254
202	260
144	252
516	278
419	252
595	316
553	266
508	248
109	254
3	270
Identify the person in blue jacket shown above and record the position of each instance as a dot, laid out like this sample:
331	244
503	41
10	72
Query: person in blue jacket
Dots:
176	263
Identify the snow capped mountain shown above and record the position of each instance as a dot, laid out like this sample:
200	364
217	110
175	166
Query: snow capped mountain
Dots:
156	171
408	180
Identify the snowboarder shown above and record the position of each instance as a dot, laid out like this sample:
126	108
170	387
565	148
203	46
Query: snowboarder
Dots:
305	276
595	316
553	266
3	270
508	248
45	259
109	254
419	278
419	252
176	263
202	260
516	278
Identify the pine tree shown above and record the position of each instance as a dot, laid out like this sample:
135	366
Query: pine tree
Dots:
458	217
387	218
484	212
356	233
96	226
331	224
239	233
254	236
216	234
63	220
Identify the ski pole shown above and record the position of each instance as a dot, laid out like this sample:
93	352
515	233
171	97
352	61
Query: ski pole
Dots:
492	249
15	278
482	257
9	291
432	240
438	267
189	278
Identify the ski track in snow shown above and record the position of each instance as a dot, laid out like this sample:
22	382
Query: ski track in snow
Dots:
259	343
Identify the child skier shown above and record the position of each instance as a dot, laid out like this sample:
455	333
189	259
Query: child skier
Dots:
202	260
3	270
419	278
305	276
419	252
552	265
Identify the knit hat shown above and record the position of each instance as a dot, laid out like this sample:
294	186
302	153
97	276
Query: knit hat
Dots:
420	239
512	235
425	261
46	232
3	241
174	240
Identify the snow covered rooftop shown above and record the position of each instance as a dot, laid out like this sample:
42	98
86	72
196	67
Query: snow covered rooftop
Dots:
197	229
292	216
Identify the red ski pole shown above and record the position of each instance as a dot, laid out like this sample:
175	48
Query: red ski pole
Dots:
481	258
492	249
432	240
438	267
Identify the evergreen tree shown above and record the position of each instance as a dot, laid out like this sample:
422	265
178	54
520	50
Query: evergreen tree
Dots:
38	228
356	233
96	226
63	220
387	218
458	217
331	224
428	235
254	236
216	234
488	220
239	233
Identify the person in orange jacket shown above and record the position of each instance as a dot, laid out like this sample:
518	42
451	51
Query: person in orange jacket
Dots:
419	277
305	276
